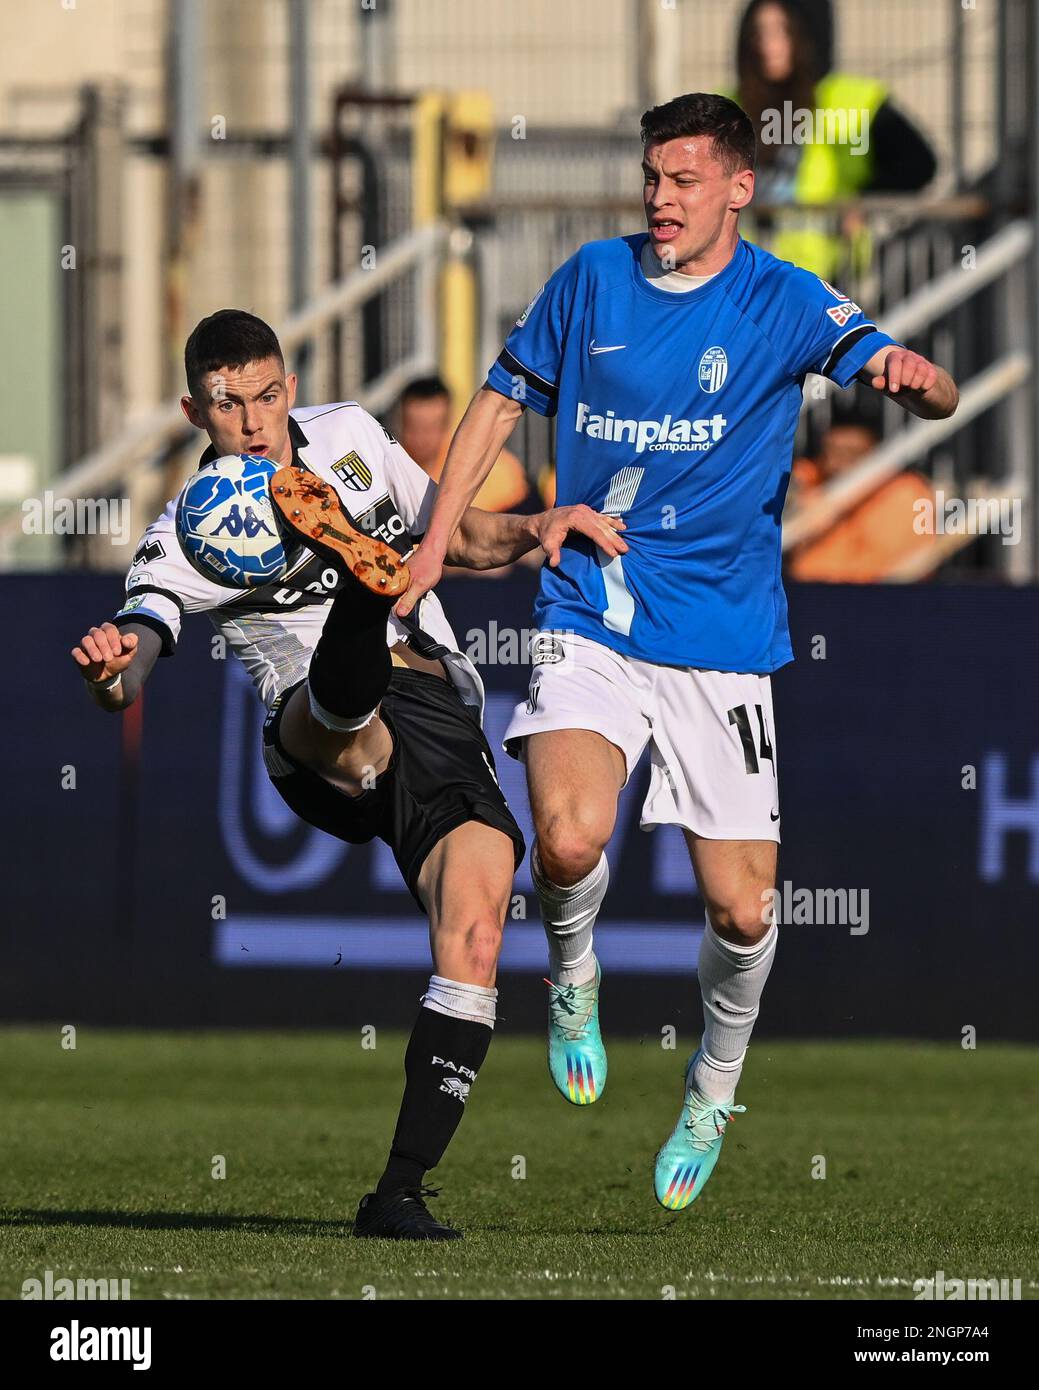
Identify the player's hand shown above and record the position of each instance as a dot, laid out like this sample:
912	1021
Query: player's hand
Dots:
104	652
554	526
903	370
426	571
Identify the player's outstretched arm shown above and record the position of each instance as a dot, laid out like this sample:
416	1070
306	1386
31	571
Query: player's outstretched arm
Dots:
485	540
917	385
477	442
115	662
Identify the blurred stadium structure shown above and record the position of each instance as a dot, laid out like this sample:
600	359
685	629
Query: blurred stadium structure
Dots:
388	181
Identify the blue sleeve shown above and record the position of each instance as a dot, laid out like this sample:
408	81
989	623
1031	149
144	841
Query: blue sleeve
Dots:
528	366
822	330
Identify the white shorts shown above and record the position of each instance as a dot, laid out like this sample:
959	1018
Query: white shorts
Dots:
711	733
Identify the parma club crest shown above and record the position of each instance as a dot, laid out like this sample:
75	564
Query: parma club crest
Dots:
352	470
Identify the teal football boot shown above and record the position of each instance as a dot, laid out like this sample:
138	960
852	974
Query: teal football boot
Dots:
687	1159
576	1056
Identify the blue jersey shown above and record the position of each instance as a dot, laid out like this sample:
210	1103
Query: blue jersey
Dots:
678	411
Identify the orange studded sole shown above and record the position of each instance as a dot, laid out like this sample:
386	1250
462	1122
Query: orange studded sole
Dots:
313	510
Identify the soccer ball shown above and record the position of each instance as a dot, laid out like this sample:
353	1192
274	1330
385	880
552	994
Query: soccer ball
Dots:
228	527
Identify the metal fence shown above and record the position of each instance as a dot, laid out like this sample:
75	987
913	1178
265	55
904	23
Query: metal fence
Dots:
219	225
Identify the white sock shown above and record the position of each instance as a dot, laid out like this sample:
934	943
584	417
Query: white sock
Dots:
473	1002
569	915
731	981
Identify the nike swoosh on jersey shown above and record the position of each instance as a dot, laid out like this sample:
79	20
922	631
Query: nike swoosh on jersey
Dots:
594	351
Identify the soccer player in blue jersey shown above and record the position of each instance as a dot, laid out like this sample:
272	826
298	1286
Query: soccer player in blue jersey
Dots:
675	361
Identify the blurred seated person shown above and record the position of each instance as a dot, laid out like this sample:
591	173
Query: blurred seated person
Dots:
781	51
868	543
424	429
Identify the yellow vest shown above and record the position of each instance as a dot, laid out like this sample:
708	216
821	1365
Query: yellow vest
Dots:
827	173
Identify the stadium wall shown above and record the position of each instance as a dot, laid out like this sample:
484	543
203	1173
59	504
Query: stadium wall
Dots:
154	878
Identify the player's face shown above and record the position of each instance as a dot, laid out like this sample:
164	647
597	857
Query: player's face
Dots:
691	203
245	410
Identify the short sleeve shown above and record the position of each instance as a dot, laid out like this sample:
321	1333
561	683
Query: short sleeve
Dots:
819	329
527	368
161	585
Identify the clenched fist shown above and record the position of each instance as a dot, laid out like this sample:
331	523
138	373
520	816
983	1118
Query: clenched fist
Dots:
104	652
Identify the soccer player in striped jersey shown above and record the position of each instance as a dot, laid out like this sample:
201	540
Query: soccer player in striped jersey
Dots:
373	725
674	361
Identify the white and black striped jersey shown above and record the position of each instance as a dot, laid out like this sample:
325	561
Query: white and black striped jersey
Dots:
274	628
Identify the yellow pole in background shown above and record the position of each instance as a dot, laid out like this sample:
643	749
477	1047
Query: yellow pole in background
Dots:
451	173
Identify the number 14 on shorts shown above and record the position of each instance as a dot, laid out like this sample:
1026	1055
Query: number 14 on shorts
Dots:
741	718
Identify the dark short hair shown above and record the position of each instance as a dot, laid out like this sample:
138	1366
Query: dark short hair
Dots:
423	388
228	338
704	113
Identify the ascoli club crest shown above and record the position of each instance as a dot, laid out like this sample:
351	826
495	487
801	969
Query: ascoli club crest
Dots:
714	368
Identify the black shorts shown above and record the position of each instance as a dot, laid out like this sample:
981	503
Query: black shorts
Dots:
440	775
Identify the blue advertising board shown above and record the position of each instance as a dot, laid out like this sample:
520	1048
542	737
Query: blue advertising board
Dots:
156	876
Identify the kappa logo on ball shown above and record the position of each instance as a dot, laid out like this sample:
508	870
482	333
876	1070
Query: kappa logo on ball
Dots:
714	368
352	470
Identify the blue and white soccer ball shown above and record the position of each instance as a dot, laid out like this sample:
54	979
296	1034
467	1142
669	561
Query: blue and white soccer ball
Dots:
229	528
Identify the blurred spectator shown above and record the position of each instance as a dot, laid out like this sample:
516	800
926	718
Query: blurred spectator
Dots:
424	430
782	55
870	542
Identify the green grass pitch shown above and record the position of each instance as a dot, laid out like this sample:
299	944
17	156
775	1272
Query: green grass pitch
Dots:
108	1151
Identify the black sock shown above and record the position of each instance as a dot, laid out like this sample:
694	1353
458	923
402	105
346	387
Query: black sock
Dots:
350	667
441	1063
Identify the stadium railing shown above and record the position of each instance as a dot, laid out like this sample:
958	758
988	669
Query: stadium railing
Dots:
1004	258
147	442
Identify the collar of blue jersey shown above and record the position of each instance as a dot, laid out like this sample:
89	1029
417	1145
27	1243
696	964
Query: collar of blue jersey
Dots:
722	277
296	436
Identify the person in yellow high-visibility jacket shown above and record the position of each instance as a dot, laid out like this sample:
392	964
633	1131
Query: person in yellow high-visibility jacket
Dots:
820	139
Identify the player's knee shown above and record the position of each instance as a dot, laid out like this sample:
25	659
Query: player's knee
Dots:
310	742
473	942
743	919
570	846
